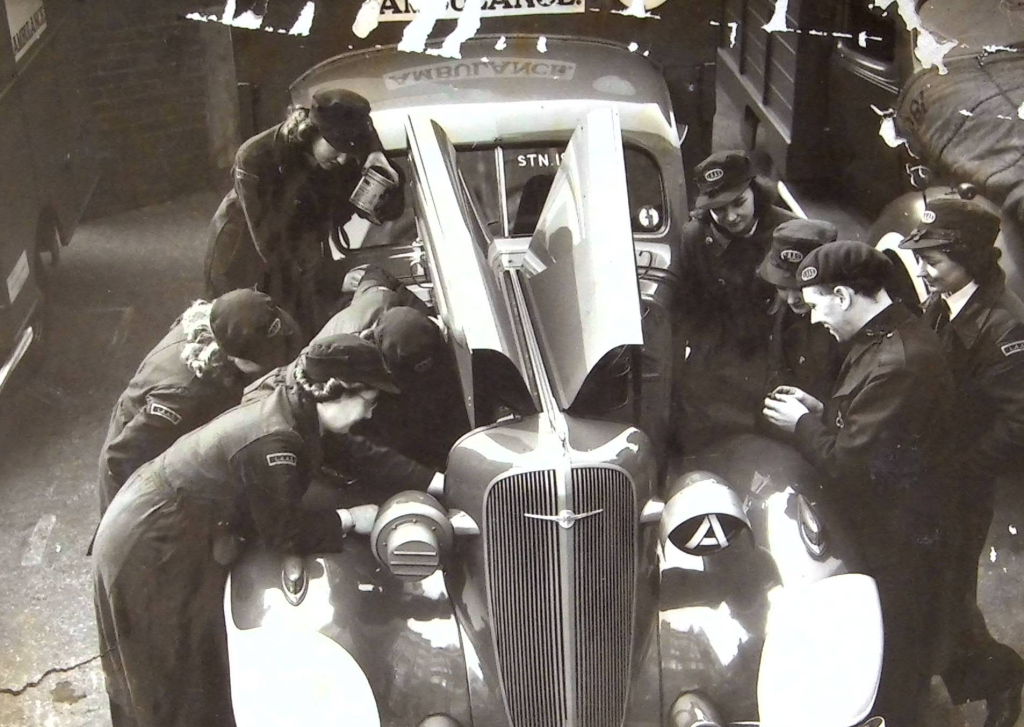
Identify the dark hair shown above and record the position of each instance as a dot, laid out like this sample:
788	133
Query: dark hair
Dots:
981	263
863	286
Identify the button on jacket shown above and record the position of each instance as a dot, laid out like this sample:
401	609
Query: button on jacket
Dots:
164	400
159	589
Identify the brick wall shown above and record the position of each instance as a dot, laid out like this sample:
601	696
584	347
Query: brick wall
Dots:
148	84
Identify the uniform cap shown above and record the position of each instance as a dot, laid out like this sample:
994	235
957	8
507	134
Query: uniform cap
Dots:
410	342
247	324
348	358
791	242
343	118
843	261
951	221
721	178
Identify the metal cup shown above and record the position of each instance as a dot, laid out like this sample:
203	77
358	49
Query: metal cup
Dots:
368	196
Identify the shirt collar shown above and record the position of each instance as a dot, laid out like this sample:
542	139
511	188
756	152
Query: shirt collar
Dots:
956	301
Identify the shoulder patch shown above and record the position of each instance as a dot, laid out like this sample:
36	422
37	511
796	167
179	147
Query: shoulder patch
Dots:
164	412
283	458
1013	347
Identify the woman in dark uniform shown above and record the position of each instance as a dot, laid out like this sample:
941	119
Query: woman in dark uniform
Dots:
981	326
158	574
722	319
291	192
197	371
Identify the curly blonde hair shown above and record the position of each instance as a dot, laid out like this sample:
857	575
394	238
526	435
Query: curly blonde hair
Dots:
202	353
328	390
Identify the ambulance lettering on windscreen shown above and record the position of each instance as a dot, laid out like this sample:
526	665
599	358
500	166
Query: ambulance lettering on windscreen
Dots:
27	21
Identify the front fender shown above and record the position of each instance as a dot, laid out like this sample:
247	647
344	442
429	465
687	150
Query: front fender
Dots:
718	610
382	651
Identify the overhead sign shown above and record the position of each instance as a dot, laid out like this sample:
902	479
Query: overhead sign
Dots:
27	21
392	10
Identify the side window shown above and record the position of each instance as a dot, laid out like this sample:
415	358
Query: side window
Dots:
26	22
645	189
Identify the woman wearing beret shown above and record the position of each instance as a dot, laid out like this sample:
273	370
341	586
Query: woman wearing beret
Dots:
291	192
722	319
196	372
159	580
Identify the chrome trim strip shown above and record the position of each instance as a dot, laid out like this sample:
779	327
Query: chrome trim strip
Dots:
24	343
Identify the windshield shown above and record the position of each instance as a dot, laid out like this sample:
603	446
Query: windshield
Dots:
510	185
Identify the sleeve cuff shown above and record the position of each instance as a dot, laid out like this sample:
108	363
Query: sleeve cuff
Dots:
347	523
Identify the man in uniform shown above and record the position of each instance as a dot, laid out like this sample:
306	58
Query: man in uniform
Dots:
981	325
722	320
197	371
800	353
880	441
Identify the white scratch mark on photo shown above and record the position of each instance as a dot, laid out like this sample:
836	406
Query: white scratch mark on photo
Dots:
633	47
965	112
542	44
304	23
466	27
777	23
414	37
928	50
733	31
37	540
992	554
637	9
502	44
367	19
1012	529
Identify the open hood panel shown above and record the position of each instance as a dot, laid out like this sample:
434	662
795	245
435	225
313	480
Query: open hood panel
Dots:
581	272
468	296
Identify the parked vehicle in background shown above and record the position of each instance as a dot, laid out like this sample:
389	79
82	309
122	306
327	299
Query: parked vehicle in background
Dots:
572	573
49	165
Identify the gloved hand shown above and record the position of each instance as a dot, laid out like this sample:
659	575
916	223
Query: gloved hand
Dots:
379	161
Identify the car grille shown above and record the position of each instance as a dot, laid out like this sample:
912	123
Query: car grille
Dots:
562	598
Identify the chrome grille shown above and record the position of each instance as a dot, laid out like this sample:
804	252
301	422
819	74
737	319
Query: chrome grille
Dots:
605	587
562	598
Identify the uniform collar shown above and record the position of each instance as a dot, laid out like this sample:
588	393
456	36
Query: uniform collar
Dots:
975	311
721	238
956	301
884	323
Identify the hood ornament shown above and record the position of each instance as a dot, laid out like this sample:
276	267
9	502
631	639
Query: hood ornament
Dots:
566	518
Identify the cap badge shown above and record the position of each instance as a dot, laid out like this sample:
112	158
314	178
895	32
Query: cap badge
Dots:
275	327
928	217
713	175
791	256
808	273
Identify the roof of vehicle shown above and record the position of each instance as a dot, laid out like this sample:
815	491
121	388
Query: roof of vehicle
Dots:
573	72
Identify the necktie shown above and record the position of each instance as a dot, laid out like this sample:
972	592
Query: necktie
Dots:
942	314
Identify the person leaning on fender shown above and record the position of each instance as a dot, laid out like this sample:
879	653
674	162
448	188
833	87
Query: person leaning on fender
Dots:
197	371
800	353
981	325
722	322
880	441
291	192
159	585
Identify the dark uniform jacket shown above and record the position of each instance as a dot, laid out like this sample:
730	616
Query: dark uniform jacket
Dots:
885	430
881	441
802	354
291	209
984	345
254	464
159	587
164	400
722	317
